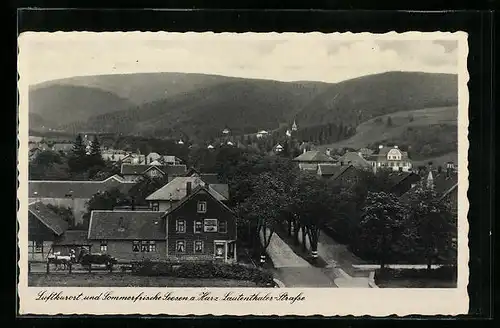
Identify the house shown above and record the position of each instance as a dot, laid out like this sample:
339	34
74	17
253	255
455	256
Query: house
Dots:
402	182
209	178
136	159
34	139
62	147
262	133
355	159
170	160
133	172
226	131
44	226
128	235
178	188
309	160
444	182
392	158
151	157
33	153
73	194
72	240
278	148
345	175
201	227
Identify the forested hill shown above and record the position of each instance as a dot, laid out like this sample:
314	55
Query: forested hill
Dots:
201	110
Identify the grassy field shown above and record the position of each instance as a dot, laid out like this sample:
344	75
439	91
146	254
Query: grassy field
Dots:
126	280
373	130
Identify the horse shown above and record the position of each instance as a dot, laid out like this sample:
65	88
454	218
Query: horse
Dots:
59	260
87	259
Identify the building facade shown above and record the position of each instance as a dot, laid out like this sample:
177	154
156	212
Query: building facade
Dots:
201	227
390	158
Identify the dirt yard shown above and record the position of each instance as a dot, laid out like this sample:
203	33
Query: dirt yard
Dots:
126	280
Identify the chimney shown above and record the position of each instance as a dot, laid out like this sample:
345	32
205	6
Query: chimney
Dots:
328	151
304	150
189	187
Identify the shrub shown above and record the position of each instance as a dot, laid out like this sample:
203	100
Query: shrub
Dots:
203	270
445	273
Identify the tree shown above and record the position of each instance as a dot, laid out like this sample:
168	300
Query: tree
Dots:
95	158
77	159
381	225
106	200
434	226
145	187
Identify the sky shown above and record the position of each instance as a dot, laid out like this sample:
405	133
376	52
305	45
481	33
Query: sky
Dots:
282	57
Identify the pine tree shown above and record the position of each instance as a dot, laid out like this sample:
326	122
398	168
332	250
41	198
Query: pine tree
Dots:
95	157
77	158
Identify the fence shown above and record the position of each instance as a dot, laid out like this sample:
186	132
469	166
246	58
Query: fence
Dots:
47	267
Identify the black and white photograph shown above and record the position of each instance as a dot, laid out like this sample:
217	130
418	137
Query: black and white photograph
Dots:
269	161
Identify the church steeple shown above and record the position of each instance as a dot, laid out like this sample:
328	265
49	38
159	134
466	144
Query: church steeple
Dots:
430	180
294	126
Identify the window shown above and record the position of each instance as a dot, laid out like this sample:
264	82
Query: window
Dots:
202	207
220	249
198	226
180	246
152	246
135	246
155	206
38	246
144	246
210	225
180	226
198	246
223	226
104	246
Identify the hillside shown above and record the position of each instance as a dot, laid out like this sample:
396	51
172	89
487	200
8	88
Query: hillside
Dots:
139	88
358	100
246	106
62	104
242	105
425	133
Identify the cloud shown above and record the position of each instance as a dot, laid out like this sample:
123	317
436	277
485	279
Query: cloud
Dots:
322	58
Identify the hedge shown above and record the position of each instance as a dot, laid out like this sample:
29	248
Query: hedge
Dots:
445	273
202	270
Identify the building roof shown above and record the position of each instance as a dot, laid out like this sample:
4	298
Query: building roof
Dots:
170	159
449	191
328	169
48	217
397	177
443	183
313	156
196	190
126	225
73	238
355	158
381	154
176	189
139	169
210	178
75	189
153	156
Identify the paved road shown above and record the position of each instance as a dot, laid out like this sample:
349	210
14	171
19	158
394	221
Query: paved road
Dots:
283	256
293	270
340	261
